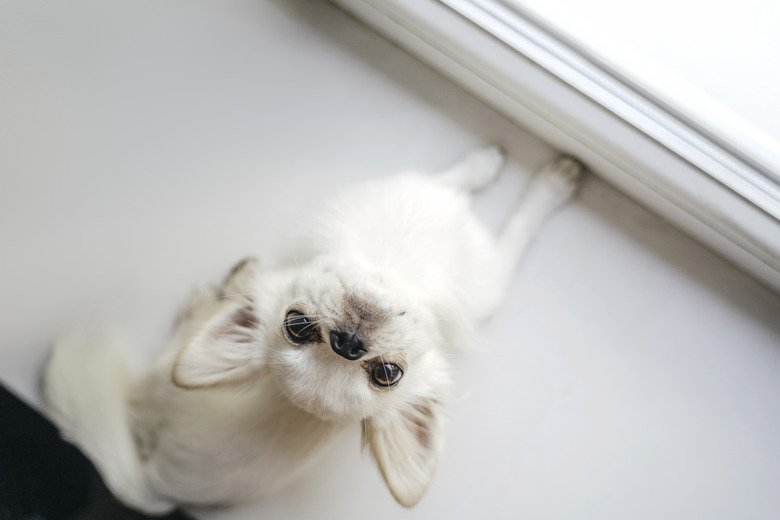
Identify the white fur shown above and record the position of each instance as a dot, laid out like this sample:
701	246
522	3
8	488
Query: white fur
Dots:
234	409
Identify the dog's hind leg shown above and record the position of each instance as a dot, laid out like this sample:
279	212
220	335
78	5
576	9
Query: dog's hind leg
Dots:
475	171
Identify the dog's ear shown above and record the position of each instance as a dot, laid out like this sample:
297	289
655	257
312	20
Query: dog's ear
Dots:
220	346
405	443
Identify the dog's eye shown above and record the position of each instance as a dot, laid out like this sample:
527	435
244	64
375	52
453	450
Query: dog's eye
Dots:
299	329
386	375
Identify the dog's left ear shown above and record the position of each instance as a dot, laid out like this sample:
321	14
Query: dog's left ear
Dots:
220	348
406	443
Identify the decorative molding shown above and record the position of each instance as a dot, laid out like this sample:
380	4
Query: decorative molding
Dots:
724	199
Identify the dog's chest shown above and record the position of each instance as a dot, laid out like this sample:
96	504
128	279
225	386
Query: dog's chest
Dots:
228	447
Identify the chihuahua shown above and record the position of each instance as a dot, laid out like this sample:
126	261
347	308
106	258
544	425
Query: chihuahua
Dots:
266	368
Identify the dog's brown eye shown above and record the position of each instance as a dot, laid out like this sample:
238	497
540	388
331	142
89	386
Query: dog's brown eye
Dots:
386	375
299	329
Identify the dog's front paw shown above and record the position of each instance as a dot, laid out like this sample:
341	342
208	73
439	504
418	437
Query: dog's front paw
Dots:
490	158
559	180
475	171
485	164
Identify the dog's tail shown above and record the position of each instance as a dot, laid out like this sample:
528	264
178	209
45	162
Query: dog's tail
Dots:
85	388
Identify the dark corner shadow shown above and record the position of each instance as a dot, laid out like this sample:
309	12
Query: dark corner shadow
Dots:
663	240
408	73
42	477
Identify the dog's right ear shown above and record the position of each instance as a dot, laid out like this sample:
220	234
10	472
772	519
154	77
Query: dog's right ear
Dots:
405	442
221	347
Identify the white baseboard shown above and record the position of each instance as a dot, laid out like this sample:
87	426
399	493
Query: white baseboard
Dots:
712	193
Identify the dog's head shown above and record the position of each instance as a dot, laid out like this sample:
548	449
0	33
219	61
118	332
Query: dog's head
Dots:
343	342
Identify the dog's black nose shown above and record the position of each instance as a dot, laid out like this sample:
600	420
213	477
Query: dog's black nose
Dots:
347	345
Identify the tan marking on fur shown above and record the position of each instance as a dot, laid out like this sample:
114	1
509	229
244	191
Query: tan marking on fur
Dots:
359	313
236	268
245	317
420	420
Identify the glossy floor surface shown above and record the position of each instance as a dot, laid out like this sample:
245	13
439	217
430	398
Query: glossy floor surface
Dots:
146	146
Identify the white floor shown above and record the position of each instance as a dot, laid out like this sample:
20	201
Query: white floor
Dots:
148	145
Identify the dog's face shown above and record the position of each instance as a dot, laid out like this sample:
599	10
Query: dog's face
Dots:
342	342
349	344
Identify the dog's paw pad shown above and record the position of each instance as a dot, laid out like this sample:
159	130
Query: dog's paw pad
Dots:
562	176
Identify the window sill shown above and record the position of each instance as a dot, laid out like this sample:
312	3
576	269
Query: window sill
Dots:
727	202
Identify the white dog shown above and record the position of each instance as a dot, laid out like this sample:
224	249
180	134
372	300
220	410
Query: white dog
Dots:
265	369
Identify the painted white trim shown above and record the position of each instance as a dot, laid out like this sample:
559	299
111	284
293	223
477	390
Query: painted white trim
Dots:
734	216
643	59
729	166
